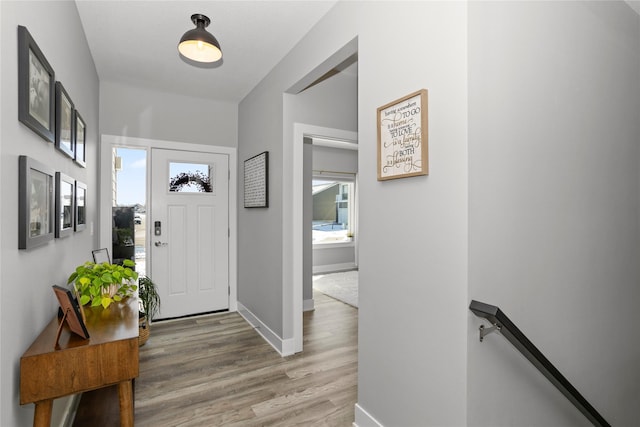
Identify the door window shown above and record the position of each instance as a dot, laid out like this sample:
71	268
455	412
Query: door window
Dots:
191	178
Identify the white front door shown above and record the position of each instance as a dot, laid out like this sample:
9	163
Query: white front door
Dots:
189	231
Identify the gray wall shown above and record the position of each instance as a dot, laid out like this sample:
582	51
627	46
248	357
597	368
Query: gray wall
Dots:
415	267
413	231
332	104
335	159
136	112
27	302
533	207
554	200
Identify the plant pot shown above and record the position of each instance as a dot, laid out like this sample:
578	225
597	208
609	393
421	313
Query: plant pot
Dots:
144	330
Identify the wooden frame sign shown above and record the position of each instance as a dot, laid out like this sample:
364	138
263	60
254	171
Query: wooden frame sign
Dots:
403	148
73	314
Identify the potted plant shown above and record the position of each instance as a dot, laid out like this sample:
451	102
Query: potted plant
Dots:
103	283
150	301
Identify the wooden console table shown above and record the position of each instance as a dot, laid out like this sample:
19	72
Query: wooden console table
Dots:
108	357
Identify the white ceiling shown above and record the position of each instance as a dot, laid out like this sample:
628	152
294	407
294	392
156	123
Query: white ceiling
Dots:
135	42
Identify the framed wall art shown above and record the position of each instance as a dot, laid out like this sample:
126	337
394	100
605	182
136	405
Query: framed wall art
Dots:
403	148
256	181
36	87
79	131
65	198
64	122
80	207
35	203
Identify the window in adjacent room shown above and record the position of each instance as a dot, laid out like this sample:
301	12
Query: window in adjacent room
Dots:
333	210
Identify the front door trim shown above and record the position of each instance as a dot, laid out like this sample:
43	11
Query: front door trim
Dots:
109	142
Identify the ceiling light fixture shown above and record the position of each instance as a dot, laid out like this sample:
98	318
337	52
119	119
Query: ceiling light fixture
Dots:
198	44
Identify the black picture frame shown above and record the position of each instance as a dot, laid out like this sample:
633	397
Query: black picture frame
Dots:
35	203
256	181
101	255
36	87
79	139
64	122
65	209
72	312
80	206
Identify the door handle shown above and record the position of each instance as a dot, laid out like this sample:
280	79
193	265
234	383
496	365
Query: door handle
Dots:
158	244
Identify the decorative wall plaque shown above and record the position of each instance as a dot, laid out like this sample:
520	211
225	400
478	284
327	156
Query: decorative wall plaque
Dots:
256	181
403	148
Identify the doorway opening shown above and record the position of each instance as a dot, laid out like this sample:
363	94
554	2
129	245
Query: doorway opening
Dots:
113	146
333	218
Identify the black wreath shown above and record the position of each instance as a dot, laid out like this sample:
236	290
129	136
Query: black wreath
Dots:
186	178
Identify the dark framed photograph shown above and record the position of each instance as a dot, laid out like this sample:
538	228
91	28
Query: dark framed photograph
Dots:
80	207
64	122
72	313
35	203
36	83
65	197
79	131
256	181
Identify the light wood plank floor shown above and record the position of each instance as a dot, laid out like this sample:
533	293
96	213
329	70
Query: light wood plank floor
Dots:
217	371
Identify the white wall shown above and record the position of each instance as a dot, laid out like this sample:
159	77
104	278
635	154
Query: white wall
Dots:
136	112
27	302
554	101
413	237
412	369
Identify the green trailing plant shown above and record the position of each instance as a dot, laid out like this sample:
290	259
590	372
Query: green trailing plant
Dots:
148	296
104	283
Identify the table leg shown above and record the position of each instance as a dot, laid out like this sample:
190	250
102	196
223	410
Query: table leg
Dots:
126	403
42	415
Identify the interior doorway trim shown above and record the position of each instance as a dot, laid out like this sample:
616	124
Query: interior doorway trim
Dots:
108	142
300	131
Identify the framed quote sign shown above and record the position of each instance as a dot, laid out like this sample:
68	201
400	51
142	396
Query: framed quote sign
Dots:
403	148
256	181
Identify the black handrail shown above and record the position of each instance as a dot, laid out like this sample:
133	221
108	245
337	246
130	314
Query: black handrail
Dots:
511	332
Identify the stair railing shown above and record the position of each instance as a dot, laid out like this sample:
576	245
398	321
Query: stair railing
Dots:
501	323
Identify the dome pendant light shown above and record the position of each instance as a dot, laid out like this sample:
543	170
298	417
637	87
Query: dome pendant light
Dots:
198	44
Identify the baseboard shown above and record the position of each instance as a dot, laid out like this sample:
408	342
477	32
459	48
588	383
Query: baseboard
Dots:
284	347
308	305
364	419
333	268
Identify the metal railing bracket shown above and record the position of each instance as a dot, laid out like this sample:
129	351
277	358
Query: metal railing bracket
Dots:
486	331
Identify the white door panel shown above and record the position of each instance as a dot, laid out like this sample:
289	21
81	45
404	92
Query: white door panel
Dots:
190	256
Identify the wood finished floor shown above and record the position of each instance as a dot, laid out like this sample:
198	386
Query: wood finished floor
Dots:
217	371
